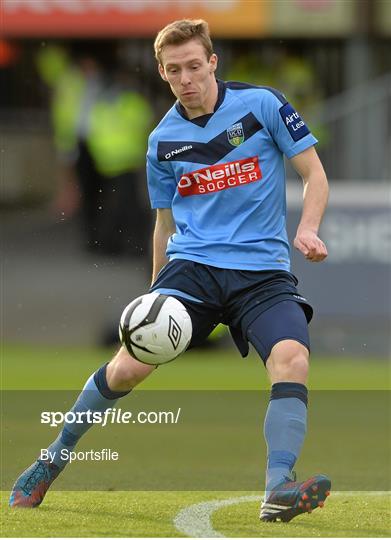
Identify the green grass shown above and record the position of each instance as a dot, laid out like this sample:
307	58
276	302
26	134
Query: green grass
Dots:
66	368
151	513
344	515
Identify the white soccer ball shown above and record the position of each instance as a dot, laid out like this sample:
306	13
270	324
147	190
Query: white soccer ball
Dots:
155	328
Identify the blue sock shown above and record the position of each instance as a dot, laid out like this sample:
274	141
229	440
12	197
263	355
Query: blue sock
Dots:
95	396
285	428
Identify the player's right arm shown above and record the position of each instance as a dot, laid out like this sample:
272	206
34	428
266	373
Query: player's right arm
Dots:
164	228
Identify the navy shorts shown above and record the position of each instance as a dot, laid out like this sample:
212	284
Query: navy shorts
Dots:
261	307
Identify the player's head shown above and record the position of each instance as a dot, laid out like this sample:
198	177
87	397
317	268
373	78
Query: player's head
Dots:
179	32
184	52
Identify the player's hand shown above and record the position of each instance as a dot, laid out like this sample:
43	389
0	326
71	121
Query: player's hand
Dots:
310	245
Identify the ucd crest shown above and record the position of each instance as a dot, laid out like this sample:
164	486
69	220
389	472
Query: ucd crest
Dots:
235	134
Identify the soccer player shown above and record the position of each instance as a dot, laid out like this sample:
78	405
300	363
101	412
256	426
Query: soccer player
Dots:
216	176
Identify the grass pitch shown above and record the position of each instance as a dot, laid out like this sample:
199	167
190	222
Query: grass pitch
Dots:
344	515
67	368
152	513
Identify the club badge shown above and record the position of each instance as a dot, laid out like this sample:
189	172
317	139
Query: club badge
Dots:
235	134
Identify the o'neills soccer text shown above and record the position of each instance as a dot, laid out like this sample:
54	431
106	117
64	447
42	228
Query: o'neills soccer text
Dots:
219	177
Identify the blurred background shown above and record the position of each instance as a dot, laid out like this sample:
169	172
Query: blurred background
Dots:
79	95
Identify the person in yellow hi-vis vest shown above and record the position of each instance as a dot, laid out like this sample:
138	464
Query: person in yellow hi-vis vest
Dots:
100	127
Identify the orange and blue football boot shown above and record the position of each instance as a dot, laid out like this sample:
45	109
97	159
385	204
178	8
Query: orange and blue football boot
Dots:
31	486
289	499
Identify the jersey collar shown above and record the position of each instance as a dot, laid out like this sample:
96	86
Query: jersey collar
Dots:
203	120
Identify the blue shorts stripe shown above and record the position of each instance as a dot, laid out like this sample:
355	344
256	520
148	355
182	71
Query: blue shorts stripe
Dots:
176	292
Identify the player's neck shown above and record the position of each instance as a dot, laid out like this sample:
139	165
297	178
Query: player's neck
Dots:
209	104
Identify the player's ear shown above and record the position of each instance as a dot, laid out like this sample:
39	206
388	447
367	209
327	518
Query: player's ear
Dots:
213	60
161	72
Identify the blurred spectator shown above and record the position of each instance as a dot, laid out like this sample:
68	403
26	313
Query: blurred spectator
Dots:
101	124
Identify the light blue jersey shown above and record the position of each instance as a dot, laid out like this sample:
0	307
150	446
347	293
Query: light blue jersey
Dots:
223	176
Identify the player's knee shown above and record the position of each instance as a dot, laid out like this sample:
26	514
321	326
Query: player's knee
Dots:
288	361
297	364
125	372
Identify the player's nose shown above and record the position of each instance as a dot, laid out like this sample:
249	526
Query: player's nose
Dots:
185	78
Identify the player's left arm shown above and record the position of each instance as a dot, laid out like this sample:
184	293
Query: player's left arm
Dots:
315	196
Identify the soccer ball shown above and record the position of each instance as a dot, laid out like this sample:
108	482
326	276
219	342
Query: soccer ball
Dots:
155	328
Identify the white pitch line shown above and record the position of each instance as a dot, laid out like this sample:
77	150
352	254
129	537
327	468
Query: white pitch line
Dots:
195	520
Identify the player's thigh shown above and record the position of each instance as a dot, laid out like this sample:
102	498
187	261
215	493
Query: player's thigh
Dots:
284	321
188	282
204	320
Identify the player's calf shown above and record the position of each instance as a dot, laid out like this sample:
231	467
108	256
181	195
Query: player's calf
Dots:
125	373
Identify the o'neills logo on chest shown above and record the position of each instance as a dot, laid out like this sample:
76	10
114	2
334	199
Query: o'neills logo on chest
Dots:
219	177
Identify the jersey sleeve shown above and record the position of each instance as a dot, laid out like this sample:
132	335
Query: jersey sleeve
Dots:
161	182
285	125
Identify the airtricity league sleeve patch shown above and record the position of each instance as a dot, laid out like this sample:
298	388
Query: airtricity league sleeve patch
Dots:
293	122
